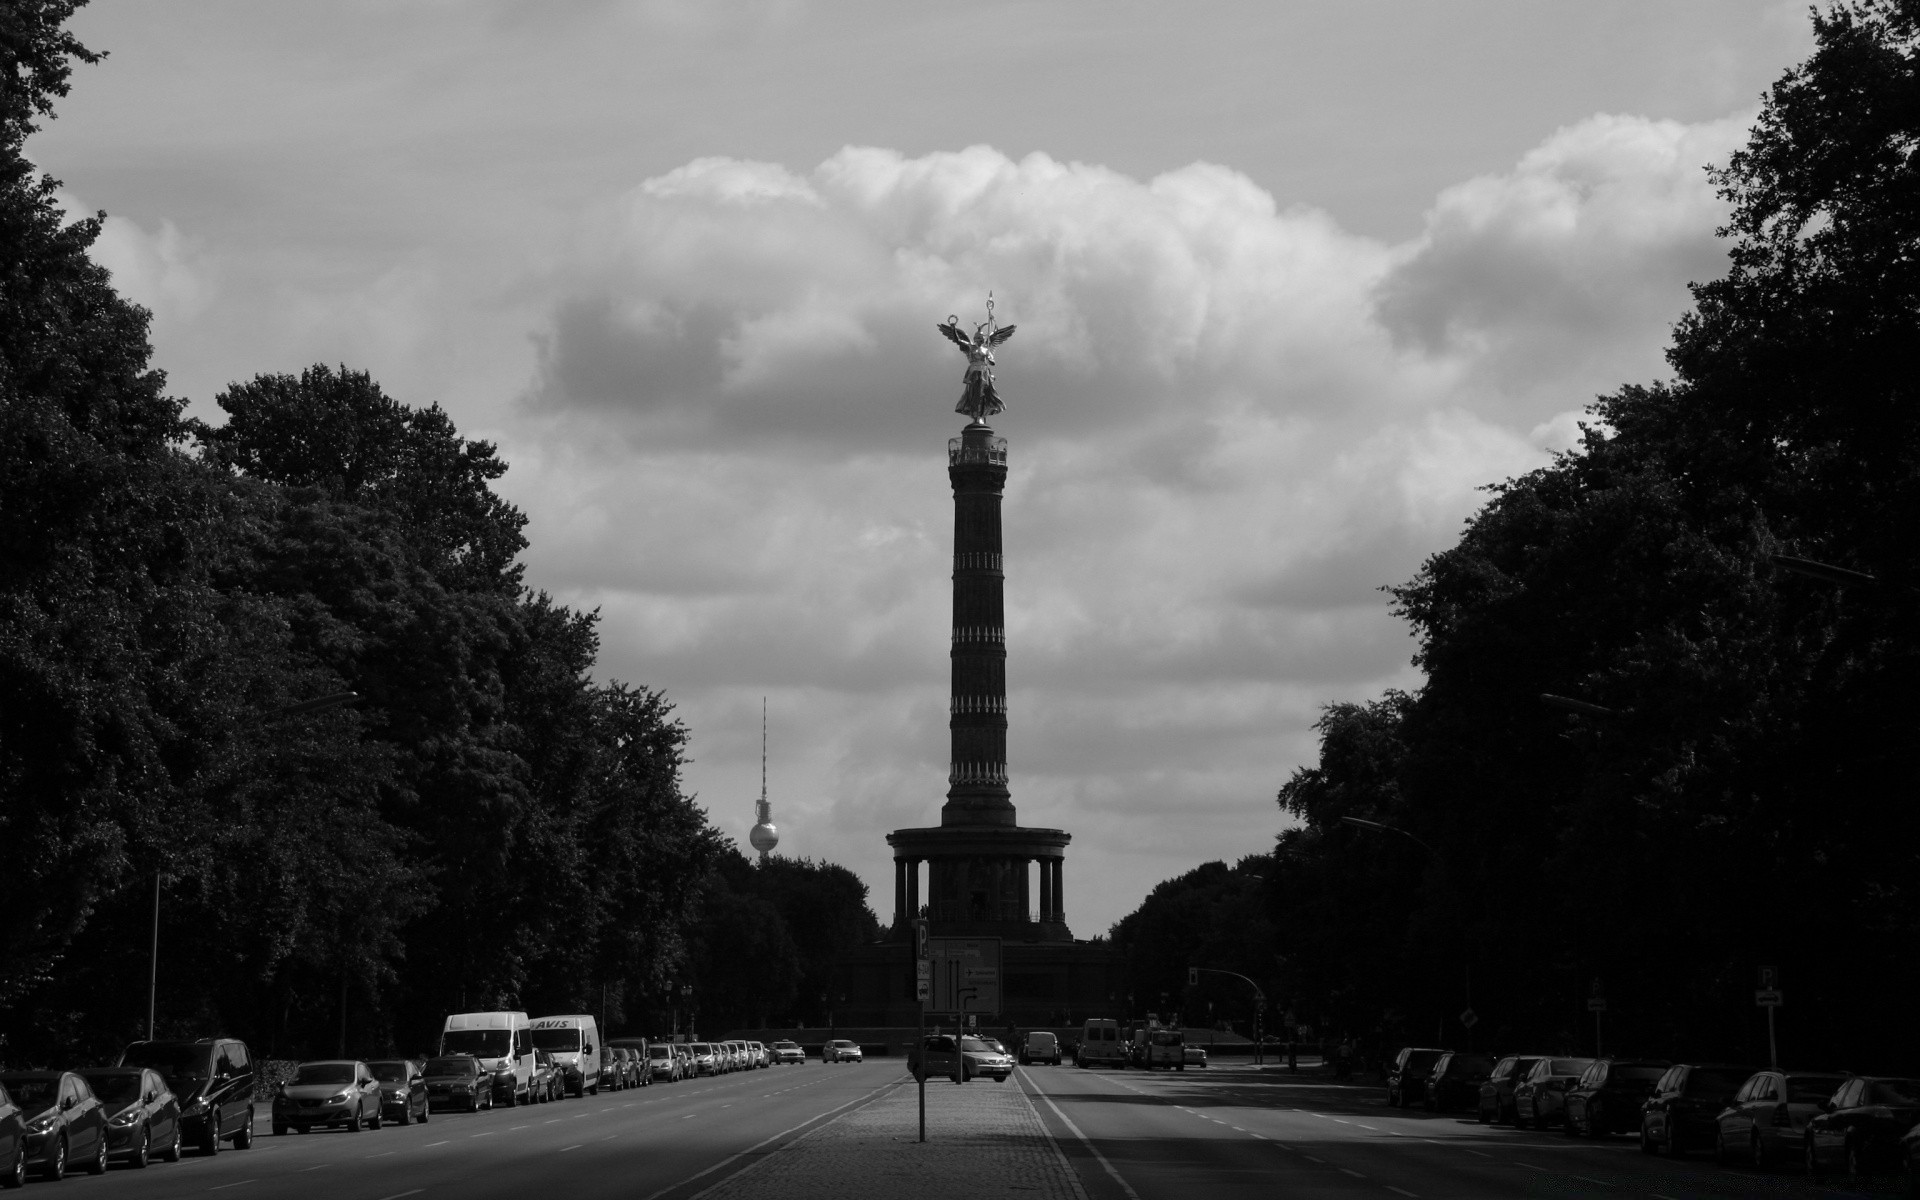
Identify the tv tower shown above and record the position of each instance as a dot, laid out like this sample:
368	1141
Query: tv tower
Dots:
764	836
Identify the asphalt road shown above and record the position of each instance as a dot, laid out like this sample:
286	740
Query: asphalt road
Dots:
657	1143
1239	1132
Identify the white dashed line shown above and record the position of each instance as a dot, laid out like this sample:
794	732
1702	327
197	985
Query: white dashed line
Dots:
236	1183
1402	1192
1355	1174
399	1195
304	1170
564	1149
431	1145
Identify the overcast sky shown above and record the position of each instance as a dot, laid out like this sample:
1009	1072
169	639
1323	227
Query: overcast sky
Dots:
1292	281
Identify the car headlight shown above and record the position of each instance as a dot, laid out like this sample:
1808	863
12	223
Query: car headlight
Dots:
342	1098
124	1119
43	1122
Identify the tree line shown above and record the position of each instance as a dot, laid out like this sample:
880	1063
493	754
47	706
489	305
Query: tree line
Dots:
1715	593
484	826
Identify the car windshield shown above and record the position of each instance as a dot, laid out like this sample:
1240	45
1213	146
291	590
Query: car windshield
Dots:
1716	1083
659	1052
452	1066
1166	1038
32	1095
1643	1075
567	1040
1896	1091
1571	1066
842	1042
326	1072
1421	1059
1039	1039
976	1045
1812	1089
785	1046
116	1088
701	1048
389	1072
172	1060
488	1043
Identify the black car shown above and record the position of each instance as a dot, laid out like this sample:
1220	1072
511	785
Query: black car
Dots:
13	1143
1679	1115
213	1078
1496	1092
1455	1080
66	1122
457	1081
1407	1077
1861	1127
403	1090
1609	1096
143	1117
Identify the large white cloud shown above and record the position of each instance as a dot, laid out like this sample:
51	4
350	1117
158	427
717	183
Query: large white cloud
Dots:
1231	422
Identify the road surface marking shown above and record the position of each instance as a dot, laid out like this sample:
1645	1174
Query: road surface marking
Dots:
431	1145
1403	1191
1367	1127
1261	1136
383	1154
485	1133
1084	1139
1355	1174
304	1170
236	1183
555	1121
564	1149
832	1112
1590	1179
1310	1158
1482	1154
398	1195
512	1128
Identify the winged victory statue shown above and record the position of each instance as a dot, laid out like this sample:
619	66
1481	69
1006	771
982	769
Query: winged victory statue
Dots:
980	400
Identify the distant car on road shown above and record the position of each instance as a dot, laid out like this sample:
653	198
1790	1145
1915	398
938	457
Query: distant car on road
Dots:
785	1052
1039	1046
705	1060
961	1058
1862	1126
143	1116
1407	1075
1609	1097
1196	1056
1769	1114
1496	1092
1679	1115
458	1081
403	1089
840	1050
1100	1045
65	1121
327	1093
662	1066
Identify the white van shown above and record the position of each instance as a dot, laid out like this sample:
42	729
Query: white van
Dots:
503	1044
1100	1045
574	1044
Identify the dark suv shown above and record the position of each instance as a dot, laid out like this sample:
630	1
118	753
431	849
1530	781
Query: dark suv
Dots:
213	1079
1407	1077
1456	1079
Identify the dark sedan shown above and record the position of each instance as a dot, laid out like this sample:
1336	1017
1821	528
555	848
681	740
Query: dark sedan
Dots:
1496	1093
13	1143
66	1122
1608	1098
1861	1127
457	1081
1540	1099
403	1090
143	1115
1679	1115
1407	1077
1456	1079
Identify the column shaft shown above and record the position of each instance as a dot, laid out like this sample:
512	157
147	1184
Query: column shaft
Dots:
1059	889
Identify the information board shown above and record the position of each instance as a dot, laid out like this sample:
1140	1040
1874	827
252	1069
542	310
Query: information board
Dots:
966	976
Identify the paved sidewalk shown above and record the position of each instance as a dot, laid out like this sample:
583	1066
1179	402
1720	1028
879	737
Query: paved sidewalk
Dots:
984	1139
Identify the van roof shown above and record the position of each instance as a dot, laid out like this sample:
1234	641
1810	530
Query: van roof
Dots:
486	1020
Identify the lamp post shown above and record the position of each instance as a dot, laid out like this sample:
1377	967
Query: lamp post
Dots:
330	700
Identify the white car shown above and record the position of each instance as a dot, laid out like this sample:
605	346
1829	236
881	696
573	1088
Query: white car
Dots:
788	1052
841	1050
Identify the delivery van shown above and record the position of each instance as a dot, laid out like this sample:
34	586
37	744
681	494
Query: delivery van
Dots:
574	1045
503	1044
1100	1044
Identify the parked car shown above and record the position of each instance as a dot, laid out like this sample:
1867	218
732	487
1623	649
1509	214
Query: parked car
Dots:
785	1052
403	1089
1539	1099
1608	1097
1861	1127
458	1081
840	1050
1679	1115
706	1061
1194	1056
1407	1076
547	1080
214	1082
1496	1091
1039	1046
330	1092
1910	1160
1454	1083
1769	1115
623	1070
13	1142
65	1122
143	1115
662	1066
960	1057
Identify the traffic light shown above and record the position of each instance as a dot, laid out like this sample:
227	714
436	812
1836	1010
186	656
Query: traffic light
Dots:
1193	976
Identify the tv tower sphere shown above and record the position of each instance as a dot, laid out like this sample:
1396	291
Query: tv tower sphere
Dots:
764	836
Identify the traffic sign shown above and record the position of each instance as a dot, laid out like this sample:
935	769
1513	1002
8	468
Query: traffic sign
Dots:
1193	976
1597	1004
923	969
1769	979
1469	1018
924	990
1770	998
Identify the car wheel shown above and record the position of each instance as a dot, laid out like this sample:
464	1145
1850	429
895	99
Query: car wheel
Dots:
353	1122
16	1175
374	1118
173	1147
141	1154
1567	1125
426	1110
55	1168
99	1164
1486	1118
1856	1159
244	1139
210	1140
1647	1144
1596	1121
1720	1157
1810	1154
1757	1151
1676	1143
406	1115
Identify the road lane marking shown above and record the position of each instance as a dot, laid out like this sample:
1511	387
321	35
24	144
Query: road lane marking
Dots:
1402	1191
304	1170
1349	1171
383	1154
564	1149
431	1145
1590	1179
1369	1128
513	1127
235	1183
484	1133
400	1195
1084	1139
832	1112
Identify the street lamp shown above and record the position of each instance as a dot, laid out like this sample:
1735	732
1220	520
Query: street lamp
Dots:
330	700
1385	828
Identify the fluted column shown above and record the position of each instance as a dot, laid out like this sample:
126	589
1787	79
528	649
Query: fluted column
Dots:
1059	889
